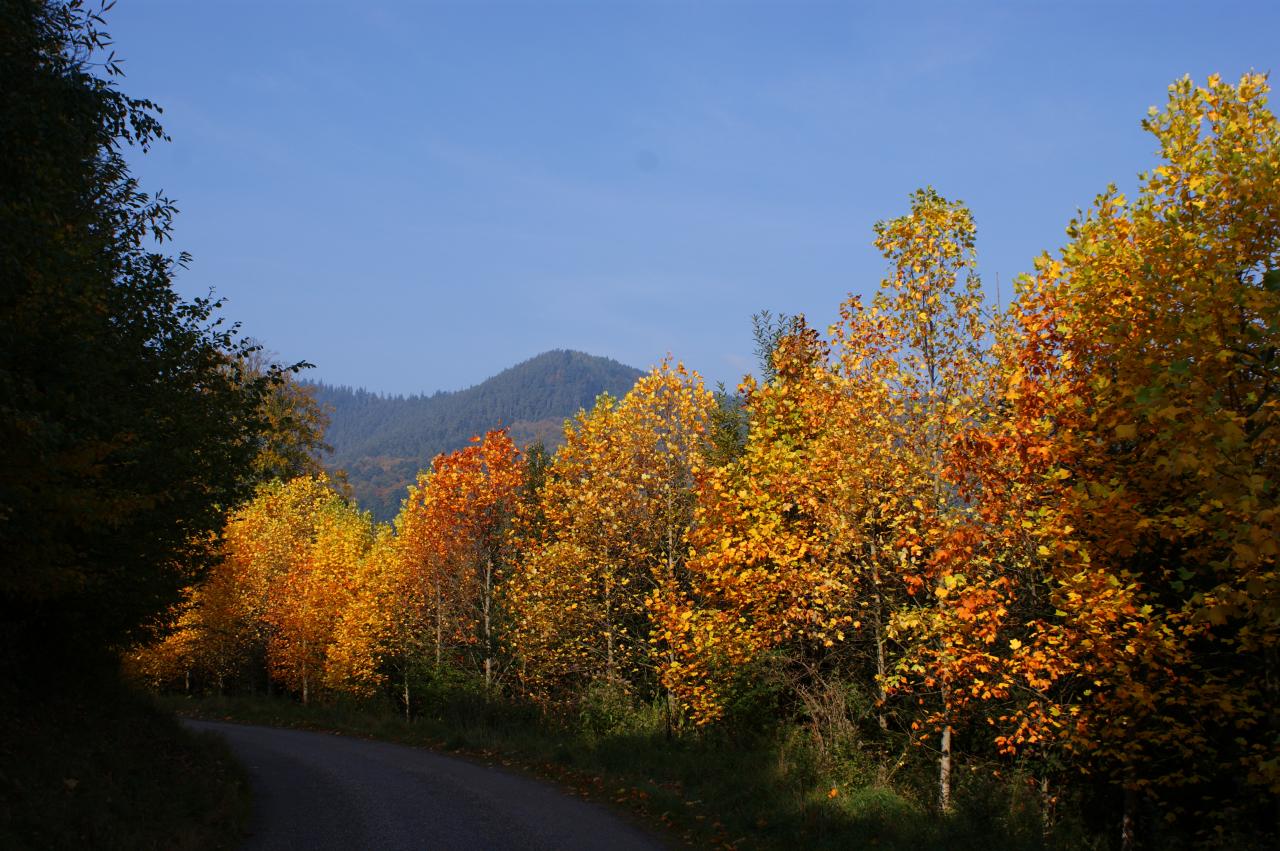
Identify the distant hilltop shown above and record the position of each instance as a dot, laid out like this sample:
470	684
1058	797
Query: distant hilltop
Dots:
383	441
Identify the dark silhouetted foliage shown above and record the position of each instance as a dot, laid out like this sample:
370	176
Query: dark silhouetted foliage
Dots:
128	422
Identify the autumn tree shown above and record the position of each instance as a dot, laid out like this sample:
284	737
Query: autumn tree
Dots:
266	540
306	602
819	540
293	425
203	643
617	505
290	562
727	617
453	538
1132	473
933	297
795	544
371	634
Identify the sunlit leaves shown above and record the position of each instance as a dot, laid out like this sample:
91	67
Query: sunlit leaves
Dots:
452	541
1127	485
617	504
1053	532
305	599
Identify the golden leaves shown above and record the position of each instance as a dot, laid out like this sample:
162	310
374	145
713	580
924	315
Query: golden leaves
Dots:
1035	521
1125	364
618	504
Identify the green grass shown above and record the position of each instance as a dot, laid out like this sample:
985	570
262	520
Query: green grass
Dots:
708	791
105	768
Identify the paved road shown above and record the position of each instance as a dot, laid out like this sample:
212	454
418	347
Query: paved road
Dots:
321	791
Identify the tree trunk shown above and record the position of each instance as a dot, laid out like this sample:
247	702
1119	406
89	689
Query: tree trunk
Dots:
188	681
881	697
944	771
671	577
1048	805
670	713
406	691
608	630
671	545
878	624
488	635
1129	820
439	625
304	679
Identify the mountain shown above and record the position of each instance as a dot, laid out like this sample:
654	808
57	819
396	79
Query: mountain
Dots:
383	441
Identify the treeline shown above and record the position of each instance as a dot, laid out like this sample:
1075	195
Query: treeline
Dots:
1041	542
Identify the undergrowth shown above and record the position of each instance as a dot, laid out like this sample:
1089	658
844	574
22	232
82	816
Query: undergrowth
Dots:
760	791
95	765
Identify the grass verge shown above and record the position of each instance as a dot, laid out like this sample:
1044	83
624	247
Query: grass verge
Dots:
105	768
700	790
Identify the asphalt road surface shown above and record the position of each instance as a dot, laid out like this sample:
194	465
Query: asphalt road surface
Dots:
321	791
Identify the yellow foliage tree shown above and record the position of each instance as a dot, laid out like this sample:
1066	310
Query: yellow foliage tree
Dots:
364	638
820	538
305	603
616	510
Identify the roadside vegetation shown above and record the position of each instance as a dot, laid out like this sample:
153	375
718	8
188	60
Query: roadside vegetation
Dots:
100	766
944	575
758	791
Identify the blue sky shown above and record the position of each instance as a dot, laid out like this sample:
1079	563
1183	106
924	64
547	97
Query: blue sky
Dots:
414	196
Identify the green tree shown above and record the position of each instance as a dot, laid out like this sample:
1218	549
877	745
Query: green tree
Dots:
294	425
129	422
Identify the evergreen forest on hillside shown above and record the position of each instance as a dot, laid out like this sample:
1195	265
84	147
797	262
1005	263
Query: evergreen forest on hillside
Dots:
381	442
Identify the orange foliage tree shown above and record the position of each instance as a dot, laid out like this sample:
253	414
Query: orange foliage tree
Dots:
453	541
1127	486
288	555
204	641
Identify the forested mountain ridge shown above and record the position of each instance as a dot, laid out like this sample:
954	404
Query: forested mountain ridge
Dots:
383	441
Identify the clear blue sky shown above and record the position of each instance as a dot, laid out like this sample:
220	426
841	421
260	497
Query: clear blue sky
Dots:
414	196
